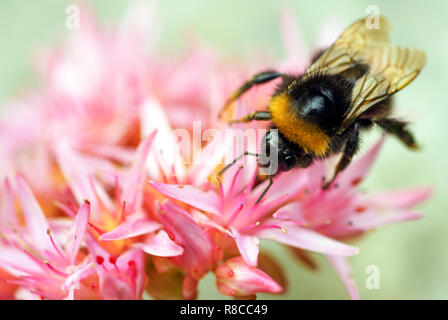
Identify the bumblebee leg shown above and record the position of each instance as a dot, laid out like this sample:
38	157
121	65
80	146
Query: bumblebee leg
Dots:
350	149
256	115
399	130
259	78
266	189
247	153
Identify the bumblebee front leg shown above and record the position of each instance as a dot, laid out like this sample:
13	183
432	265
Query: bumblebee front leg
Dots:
259	78
399	130
350	149
256	115
246	153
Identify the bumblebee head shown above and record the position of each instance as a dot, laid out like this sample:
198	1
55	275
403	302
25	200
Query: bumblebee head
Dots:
280	154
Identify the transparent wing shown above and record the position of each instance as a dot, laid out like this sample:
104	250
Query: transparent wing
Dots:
391	69
352	47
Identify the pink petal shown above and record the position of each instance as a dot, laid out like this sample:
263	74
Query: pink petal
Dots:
402	199
262	211
114	288
96	251
211	156
345	272
291	211
295	236
153	117
132	185
8	218
160	244
198	256
241	173
236	278
130	228
205	201
189	288
82	184
122	279
17	263
118	153
80	227
25	294
372	219
247	246
289	183
34	217
358	169
76	179
71	294
132	264
80	274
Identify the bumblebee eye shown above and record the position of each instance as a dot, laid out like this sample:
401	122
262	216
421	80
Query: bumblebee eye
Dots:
286	162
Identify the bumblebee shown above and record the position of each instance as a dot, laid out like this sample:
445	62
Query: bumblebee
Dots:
346	90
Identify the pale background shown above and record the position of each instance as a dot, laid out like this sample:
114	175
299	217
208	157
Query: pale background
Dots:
412	257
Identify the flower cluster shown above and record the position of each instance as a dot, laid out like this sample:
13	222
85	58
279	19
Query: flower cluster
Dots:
100	201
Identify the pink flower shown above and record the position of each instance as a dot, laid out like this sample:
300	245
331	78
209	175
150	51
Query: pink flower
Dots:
122	277
45	258
47	264
298	212
237	279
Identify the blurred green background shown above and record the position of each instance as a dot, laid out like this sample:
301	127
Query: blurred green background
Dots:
412	257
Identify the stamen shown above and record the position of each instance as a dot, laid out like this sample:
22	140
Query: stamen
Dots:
235	214
117	192
100	231
262	227
67	209
221	192
235	176
122	215
55	270
56	248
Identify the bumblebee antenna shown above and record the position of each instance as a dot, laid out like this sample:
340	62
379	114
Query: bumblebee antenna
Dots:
247	153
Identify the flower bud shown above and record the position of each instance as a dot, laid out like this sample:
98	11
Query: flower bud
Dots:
237	279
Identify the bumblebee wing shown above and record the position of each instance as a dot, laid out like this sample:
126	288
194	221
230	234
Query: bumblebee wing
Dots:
352	47
391	69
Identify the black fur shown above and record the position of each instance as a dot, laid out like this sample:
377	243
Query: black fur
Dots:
324	99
